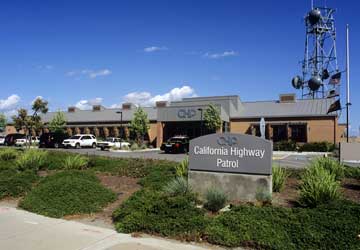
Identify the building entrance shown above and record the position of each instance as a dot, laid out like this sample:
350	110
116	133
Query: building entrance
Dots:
191	129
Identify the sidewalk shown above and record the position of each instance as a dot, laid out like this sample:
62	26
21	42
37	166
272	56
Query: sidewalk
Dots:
21	230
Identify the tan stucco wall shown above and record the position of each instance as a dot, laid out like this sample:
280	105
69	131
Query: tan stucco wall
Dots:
152	132
319	128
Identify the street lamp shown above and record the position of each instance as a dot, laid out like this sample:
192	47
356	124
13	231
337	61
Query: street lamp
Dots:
201	120
121	118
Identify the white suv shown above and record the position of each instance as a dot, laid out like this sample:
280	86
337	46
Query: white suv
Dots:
78	141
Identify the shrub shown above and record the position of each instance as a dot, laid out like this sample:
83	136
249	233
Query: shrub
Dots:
182	168
352	172
152	212
67	193
285	146
215	200
317	147
331	165
31	159
333	227
143	146
178	186
8	154
279	176
318	187
76	162
263	196
134	146
14	183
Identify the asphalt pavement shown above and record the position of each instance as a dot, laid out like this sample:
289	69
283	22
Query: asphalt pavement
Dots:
284	159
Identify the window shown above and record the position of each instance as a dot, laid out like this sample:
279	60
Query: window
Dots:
298	133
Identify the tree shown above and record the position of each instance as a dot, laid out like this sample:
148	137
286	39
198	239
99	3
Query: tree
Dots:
139	125
2	122
28	123
58	122
22	120
212	118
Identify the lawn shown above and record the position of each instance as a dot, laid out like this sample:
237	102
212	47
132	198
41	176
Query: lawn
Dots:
137	190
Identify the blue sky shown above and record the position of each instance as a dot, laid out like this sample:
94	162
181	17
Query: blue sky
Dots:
83	52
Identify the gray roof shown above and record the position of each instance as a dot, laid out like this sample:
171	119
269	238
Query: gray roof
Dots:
305	107
231	107
105	115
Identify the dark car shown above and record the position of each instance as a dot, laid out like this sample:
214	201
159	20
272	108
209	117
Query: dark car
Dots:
52	140
176	144
10	139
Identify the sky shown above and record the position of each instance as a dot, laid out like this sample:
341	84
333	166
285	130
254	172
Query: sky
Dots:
109	52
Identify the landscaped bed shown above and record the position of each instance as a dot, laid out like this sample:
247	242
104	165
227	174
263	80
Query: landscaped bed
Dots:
151	196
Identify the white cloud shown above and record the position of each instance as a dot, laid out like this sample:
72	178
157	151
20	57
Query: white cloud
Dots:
9	103
103	72
147	99
154	48
221	55
89	73
87	104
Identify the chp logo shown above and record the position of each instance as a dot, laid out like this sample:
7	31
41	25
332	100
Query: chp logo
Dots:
227	141
186	113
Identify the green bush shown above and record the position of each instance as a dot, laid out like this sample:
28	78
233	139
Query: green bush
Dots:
67	193
14	183
31	159
143	146
326	227
279	176
285	146
263	196
317	147
215	200
152	212
76	162
134	146
318	187
352	172
331	165
182	168
8	154
177	186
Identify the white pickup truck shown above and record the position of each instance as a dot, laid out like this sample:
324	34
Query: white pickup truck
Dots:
112	142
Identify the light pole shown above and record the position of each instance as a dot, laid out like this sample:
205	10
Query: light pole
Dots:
201	120
121	118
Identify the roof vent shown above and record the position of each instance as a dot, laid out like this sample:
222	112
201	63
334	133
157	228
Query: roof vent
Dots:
127	105
72	109
97	108
161	104
287	98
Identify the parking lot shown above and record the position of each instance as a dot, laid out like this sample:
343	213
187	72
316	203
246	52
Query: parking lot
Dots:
283	159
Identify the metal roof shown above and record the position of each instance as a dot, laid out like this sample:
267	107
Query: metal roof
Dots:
299	108
106	115
230	105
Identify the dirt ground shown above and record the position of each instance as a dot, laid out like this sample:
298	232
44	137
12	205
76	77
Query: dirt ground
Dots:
124	187
288	197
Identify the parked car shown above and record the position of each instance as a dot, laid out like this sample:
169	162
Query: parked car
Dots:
80	140
26	140
2	139
112	142
176	144
52	140
10	139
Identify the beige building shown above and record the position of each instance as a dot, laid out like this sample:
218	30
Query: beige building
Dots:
286	119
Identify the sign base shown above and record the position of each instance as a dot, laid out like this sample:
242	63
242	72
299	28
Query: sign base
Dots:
237	186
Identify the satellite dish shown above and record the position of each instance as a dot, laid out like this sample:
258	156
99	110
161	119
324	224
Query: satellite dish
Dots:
315	83
297	82
325	74
314	16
